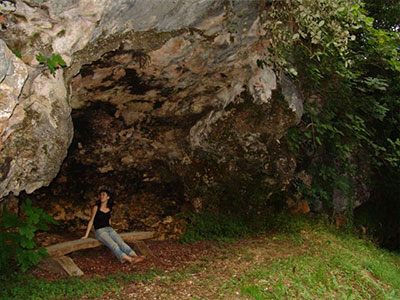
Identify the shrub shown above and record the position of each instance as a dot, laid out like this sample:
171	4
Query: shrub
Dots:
17	237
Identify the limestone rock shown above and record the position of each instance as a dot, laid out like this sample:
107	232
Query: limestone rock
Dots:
292	96
13	74
35	131
168	103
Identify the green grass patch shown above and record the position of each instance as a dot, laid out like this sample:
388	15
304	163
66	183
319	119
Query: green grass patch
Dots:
26	287
331	267
210	226
225	228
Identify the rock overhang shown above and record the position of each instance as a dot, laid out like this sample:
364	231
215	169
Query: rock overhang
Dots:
184	85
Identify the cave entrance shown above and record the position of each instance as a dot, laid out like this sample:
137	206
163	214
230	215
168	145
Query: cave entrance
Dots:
126	139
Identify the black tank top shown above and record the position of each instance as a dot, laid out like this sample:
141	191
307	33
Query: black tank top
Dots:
101	219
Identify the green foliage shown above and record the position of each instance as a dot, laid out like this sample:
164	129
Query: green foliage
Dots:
17	53
385	13
52	62
318	29
348	71
17	237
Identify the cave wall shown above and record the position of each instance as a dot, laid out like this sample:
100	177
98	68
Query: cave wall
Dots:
168	103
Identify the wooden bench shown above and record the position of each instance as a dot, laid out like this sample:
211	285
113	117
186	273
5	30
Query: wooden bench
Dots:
59	263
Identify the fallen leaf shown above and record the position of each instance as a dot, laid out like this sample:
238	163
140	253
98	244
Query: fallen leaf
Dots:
3	19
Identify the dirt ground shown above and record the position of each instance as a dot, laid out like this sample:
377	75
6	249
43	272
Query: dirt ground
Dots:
201	270
169	255
181	266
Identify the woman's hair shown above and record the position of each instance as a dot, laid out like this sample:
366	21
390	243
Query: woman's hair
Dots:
108	192
110	202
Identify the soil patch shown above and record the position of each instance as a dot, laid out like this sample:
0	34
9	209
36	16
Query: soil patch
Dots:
171	255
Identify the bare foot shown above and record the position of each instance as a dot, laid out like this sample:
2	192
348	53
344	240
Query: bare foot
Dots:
133	254
127	258
138	259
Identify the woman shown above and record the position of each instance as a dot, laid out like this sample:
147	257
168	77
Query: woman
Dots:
101	214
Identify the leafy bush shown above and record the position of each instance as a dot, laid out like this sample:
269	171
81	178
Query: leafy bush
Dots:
17	237
348	72
52	62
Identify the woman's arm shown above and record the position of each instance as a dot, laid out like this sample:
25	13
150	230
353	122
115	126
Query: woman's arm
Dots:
89	227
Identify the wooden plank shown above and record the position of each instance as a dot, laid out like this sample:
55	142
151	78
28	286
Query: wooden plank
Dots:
131	237
69	266
75	245
60	265
51	265
71	246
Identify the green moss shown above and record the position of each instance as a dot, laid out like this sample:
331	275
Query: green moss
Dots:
35	36
45	150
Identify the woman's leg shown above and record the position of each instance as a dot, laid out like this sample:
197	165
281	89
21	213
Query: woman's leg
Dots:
122	245
104	236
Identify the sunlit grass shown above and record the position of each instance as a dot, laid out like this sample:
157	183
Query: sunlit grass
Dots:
332	267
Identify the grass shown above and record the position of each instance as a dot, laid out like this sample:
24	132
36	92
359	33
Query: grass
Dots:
26	287
325	266
307	260
209	226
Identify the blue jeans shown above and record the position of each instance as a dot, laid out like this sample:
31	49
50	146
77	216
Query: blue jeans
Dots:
114	242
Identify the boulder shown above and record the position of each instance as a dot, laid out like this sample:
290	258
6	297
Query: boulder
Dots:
35	131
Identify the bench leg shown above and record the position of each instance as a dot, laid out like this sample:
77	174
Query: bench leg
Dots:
62	264
144	250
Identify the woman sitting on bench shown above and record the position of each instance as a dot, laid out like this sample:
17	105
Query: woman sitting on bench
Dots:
101	214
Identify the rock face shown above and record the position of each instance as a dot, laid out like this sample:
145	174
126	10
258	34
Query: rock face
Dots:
169	103
35	132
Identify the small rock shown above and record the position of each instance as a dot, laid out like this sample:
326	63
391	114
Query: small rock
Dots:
168	220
